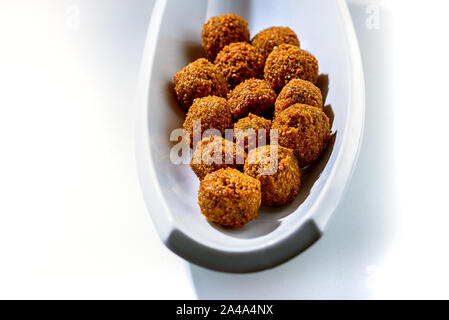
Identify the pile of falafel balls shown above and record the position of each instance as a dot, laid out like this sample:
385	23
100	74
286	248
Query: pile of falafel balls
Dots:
264	83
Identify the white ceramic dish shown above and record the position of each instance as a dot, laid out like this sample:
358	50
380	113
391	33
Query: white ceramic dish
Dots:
325	29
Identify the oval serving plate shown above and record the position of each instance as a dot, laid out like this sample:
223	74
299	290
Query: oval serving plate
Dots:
325	29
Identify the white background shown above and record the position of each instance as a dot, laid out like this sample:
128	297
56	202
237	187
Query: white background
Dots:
72	219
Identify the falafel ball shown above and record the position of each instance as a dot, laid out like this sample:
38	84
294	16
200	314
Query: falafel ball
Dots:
229	198
287	62
267	39
210	112
239	61
280	183
298	91
305	130
214	153
222	30
251	125
199	79
252	95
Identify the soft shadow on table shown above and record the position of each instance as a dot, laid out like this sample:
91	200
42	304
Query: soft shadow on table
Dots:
360	231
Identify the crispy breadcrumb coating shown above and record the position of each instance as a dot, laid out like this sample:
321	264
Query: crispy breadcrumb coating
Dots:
298	91
214	153
251	125
287	62
212	112
305	130
281	185
238	62
199	79
222	30
229	198
267	39
252	95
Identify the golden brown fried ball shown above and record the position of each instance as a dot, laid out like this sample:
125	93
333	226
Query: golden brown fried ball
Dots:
305	130
229	198
211	112
199	79
298	91
287	62
251	125
267	39
239	61
222	30
252	95
214	153
280	182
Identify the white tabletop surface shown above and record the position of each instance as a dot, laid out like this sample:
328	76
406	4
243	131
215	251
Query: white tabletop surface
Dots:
72	219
